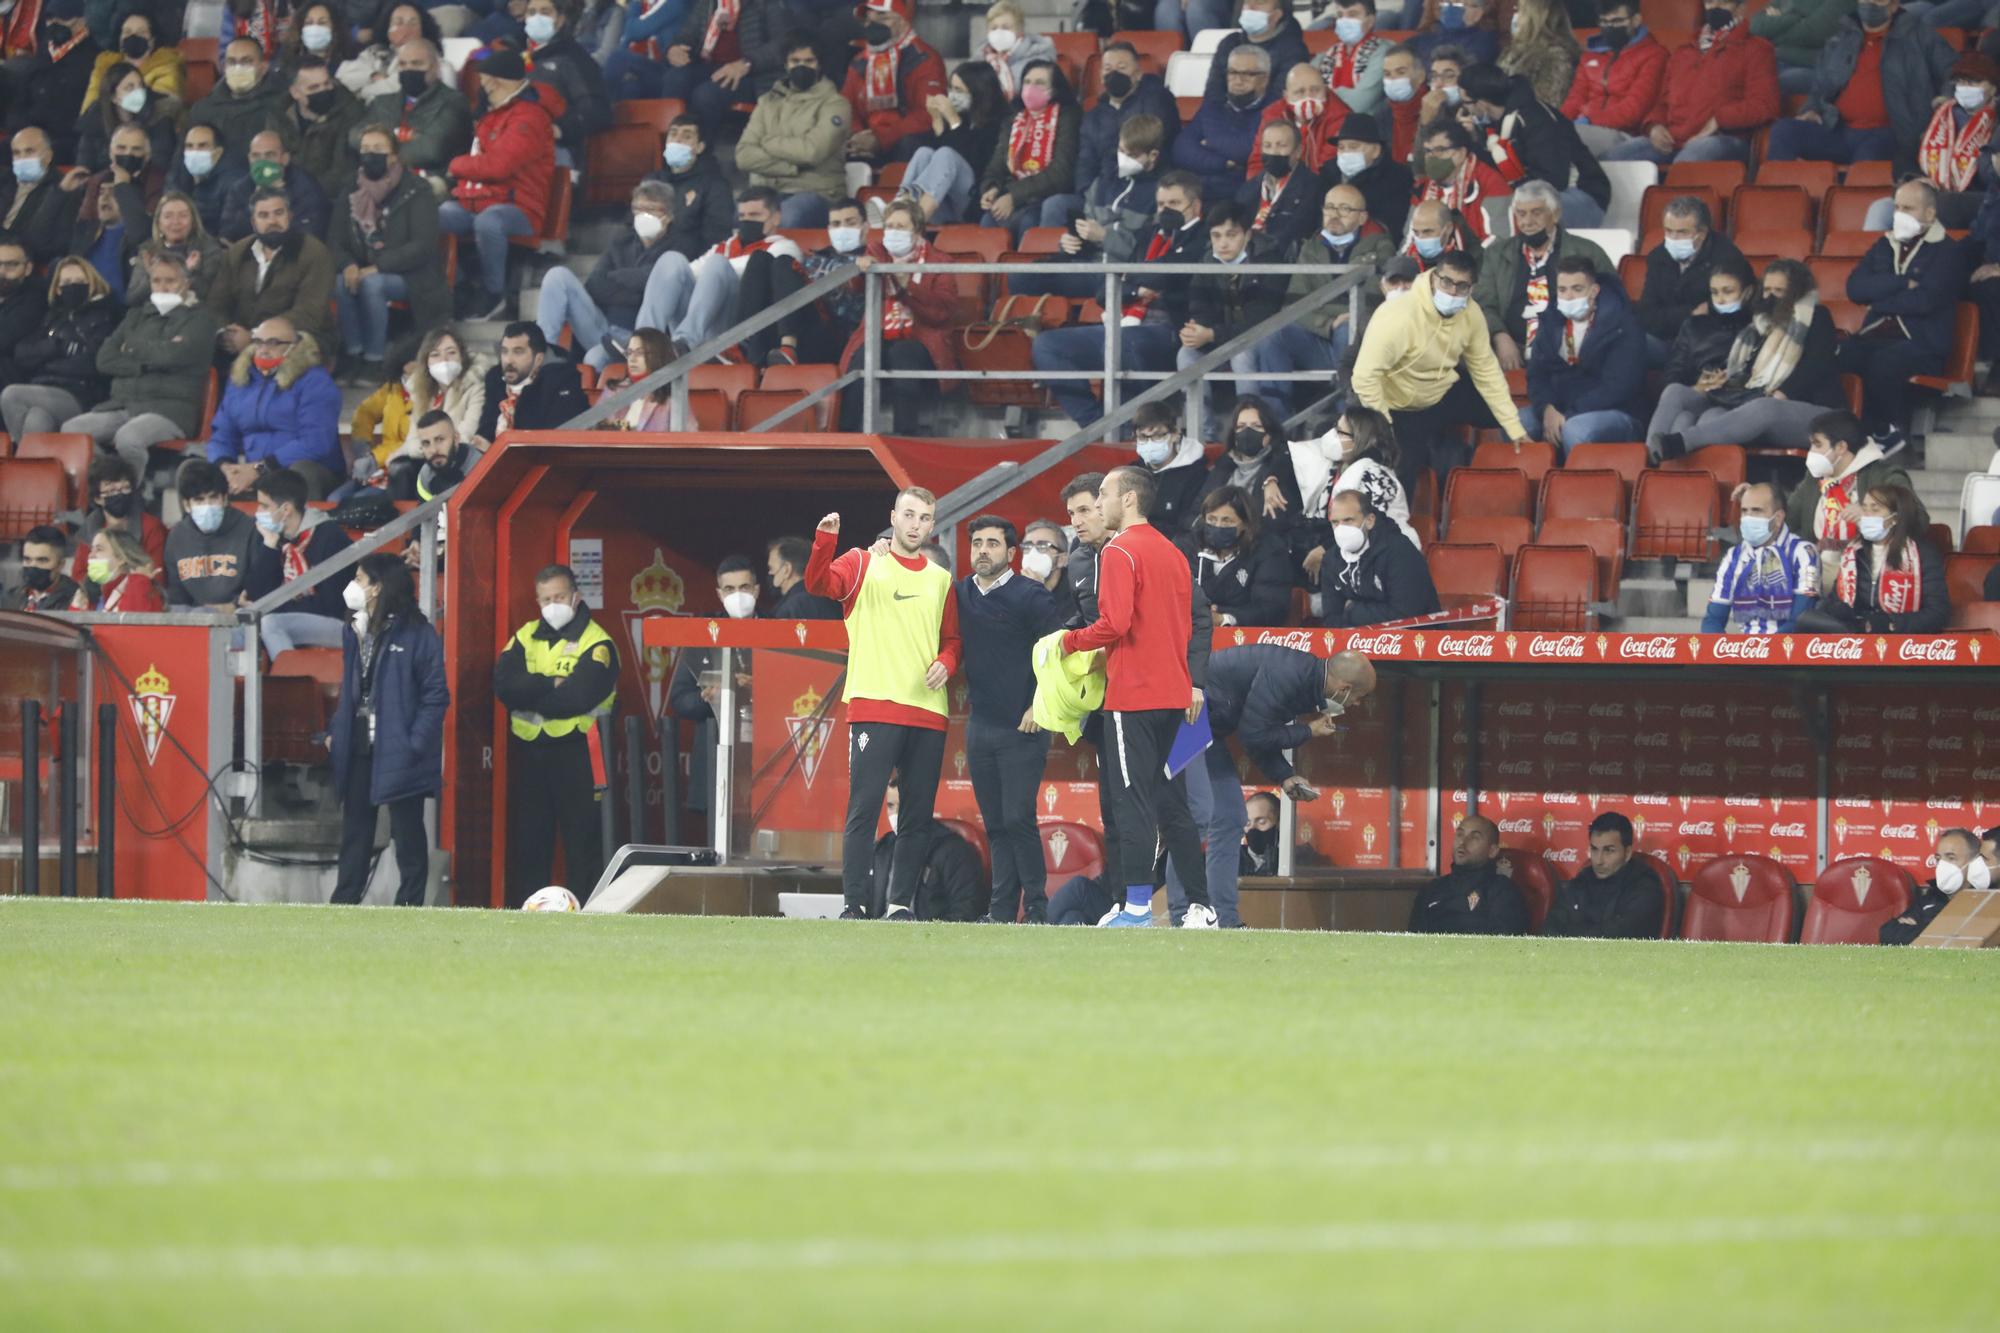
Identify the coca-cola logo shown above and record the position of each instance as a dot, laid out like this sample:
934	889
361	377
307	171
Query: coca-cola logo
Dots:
1852	803
1702	827
1517	826
1784	713
1986	715
1563	738
1650	740
1565	856
1742	802
1954	806
1927	650
1899	830
1607	770
1386	644
1607	710
1855	743
1649	647
1986	775
1516	710
1556	645
1742	743
1788	770
1846	649
1465	645
1299	639
1698	710
1907	713
1517	768
1560	798
1651	798
1900	773
1697	770
1754	649
1946	743
1797	830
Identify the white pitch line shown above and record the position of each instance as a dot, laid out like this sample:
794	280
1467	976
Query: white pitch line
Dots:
29	1178
537	1261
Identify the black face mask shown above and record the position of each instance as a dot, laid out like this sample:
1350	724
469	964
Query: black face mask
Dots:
1615	38
1872	16
276	240
749	232
55	34
1263	843
135	47
413	82
129	163
37	580
876	34
451	471
1217	538
1278	164
119	505
802	76
374	165
1243	103
8	286
321	102
1717	19
1171	221
1118	83
72	296
1249	442
1534	240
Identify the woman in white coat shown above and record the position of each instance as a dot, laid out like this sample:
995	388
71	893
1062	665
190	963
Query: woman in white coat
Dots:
1359	454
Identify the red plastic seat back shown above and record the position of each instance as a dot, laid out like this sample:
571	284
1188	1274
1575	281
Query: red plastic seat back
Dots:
32	492
1964	576
72	449
1672	516
1465	572
1471	491
1605	536
1506	531
1745	898
1571	493
1554	587
1533	457
1852	899
1072	849
975	835
1532	876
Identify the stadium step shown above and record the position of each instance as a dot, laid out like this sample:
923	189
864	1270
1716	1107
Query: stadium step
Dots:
1964	447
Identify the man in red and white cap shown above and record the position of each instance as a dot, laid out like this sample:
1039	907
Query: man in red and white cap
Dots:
890	82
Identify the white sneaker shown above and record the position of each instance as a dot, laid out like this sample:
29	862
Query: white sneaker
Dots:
1200	916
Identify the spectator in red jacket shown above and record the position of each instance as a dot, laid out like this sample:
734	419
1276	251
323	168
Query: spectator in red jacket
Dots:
1715	95
501	188
890	84
1617	81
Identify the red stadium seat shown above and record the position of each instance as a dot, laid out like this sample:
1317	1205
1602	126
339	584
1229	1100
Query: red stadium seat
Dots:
1667	884
785	385
1976	616
1042	240
1743	898
976	836
617	158
1569	493
1847	317
1845	209
1473	491
1632	273
1605	536
1878	173
1958	371
1554	587
70	448
653	112
733	381
32	492
1463	572
1830	275
1940	537
1763	245
1965	576
1722	177
1508	532
209	402
1074	51
1672	516
295	715
1982	540
1852	899
1001	349
1531	456
1846	244
710	410
1531	875
1763	207
1628	460
1071	849
1187	107
1653	205
1815	178
1726	463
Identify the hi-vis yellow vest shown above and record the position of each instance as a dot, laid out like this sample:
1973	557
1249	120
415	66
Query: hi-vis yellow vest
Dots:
559	658
892	634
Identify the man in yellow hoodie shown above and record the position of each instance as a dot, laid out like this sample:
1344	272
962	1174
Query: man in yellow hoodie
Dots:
1427	360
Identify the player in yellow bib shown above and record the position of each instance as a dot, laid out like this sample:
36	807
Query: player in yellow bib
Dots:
902	646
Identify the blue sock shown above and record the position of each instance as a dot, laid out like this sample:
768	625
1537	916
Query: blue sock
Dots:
1138	897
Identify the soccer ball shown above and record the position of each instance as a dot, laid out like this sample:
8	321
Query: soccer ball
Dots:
555	898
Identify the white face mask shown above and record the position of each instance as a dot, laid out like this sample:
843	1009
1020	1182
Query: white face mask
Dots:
1819	464
540	27
558	615
649	226
961	102
1154	452
1347	30
1399	90
844	239
133	102
1394	292
1037	565
1002	39
1905	227
1970	96
1350	164
739	605
207	517
444	372
899	242
892	821
1575	308
1873	527
1254	21
1951	878
355	596
316	36
1447	305
166	302
1129	165
1350	538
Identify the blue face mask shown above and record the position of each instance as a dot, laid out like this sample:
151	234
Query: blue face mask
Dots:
1756	529
540	27
1342	241
1347	30
679	156
1679	250
1430	247
29	170
199	162
1253	21
1873	527
1725	307
1451	16
268	521
1447	305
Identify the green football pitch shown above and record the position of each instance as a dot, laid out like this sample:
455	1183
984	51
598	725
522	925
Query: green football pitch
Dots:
304	1118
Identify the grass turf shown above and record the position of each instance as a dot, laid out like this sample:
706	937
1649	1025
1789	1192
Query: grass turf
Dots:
307	1118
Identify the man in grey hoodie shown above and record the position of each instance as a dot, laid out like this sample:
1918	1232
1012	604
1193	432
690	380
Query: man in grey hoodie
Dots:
214	556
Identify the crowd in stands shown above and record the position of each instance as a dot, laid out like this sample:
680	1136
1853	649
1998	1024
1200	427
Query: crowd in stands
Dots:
203	238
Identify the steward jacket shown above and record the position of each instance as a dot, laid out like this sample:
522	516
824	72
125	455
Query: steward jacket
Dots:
1069	687
1627	906
1470	900
1610	369
1615	89
556	681
409	699
1390	581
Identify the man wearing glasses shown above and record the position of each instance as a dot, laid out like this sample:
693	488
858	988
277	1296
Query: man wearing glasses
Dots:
281	410
1427	360
1178	465
1319	340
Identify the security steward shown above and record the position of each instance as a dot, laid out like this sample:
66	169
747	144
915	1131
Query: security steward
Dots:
558	675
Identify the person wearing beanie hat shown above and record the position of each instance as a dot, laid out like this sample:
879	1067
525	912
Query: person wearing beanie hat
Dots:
501	188
890	84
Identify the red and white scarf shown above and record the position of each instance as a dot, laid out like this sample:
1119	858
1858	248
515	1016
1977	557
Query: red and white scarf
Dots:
1710	36
1462	197
1535	300
650	48
1898	591
1948	153
1834	500
1267	195
261	25
881	89
1316	132
721	21
897	319
1031	141
1572	340
1341	65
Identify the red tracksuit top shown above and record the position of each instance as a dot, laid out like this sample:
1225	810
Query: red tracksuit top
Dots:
1144	607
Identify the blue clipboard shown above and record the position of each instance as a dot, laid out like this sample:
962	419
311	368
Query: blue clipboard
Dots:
1189	741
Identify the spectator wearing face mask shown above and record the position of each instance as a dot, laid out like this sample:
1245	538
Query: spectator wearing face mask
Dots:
49	91
785	572
727	51
1891	577
694	302
1475	897
1517	275
891	82
555	58
1010	48
1381	575
370	72
1113	219
1842	466
1528	140
384	246
433	124
1404	89
1319	340
1224	303
605	306
1717	92
1958	866
1178	465
696	684
204	176
1587	367
1269	26
1103	152
1282	198
919	312
1245	572
1617	80
1257	458
1458	178
1036	157
153	53
1358	454
120	577
1307	108
1677	272
322	118
34	208
157	362
128	104
1363	160
57	363
444	376
1704	340
115	503
301	537
43	587
1469	32
250	99
796	141
1871	93
501	188
1769	579
277	272
1911	281
966	121
281	409
1216	144
215	556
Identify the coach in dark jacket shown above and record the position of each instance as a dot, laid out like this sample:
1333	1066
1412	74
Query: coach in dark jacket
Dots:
1594	385
1376	577
1616	897
388	730
1474	898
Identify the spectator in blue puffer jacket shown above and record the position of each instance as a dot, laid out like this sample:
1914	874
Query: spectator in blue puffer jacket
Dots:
281	409
1216	144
